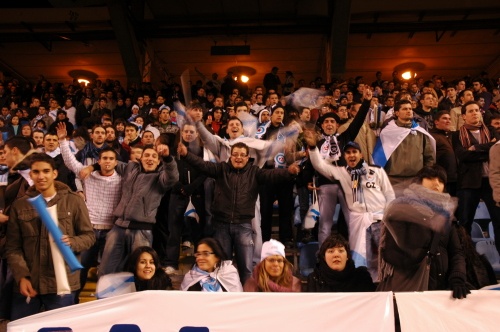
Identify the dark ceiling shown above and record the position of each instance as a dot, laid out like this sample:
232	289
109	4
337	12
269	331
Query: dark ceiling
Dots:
157	39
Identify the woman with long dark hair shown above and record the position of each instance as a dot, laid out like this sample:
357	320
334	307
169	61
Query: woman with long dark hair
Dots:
144	263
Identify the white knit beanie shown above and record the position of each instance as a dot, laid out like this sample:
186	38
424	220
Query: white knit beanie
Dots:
271	248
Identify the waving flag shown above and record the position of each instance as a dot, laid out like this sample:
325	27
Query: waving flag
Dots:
191	212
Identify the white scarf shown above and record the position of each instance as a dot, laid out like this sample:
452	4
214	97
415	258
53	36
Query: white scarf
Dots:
226	275
330	149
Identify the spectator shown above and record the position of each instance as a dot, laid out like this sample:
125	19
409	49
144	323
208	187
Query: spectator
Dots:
404	147
32	267
188	188
335	271
233	217
274	272
143	186
102	193
419	248
148	274
272	80
212	272
472	143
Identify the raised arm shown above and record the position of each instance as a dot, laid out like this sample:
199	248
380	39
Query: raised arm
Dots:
208	168
69	158
209	140
321	166
359	119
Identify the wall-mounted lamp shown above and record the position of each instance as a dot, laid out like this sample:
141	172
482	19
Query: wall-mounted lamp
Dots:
82	76
408	75
83	80
242	73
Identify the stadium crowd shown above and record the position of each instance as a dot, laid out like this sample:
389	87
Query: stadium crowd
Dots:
138	173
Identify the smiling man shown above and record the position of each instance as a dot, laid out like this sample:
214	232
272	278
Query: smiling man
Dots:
330	149
367	191
221	150
144	184
236	188
28	250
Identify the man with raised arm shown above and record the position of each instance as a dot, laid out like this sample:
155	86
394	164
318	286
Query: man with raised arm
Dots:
236	188
144	184
102	194
367	191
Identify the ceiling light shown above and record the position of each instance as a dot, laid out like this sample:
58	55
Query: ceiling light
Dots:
244	78
407	75
83	80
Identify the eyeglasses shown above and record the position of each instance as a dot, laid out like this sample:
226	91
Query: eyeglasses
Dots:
275	260
240	155
203	254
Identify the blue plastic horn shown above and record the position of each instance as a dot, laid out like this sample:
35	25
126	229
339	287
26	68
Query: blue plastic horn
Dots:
41	207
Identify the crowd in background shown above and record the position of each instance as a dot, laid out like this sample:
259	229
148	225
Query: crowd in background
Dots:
145	157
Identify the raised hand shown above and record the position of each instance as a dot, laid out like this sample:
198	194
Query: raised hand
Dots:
367	94
163	150
182	150
61	130
310	137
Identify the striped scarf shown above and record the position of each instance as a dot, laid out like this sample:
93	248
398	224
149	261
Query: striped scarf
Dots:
464	136
356	172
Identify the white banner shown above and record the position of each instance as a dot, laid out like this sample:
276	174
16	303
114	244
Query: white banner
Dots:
437	311
172	310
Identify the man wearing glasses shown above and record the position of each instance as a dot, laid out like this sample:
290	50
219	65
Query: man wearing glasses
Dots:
236	189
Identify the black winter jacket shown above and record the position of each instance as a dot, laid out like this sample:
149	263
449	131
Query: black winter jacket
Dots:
236	190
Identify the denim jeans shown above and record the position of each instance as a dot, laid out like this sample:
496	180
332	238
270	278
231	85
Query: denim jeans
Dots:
328	197
21	309
120	242
240	238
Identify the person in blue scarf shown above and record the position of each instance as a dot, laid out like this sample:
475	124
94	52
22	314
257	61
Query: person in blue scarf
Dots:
212	272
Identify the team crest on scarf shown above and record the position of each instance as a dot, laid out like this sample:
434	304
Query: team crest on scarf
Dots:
330	148
261	130
279	160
